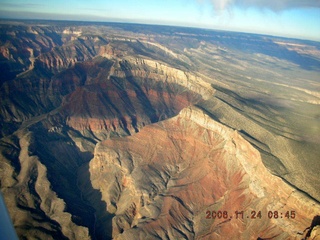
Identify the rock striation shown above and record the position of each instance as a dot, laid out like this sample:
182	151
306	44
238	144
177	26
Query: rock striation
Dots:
114	131
100	98
162	181
36	210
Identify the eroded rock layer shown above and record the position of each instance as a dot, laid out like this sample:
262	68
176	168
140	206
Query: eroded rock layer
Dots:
101	139
165	181
102	98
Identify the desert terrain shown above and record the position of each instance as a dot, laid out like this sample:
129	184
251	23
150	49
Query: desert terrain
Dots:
128	131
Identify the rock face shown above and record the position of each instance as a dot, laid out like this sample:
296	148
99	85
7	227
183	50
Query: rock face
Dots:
131	95
205	167
117	132
36	210
20	46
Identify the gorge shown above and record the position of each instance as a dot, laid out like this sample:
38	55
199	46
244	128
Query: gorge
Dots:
127	131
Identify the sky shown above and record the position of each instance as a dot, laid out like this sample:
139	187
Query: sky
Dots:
288	18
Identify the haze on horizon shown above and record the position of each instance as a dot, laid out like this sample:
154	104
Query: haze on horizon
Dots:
288	18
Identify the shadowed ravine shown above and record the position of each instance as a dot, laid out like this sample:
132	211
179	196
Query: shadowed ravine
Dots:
112	134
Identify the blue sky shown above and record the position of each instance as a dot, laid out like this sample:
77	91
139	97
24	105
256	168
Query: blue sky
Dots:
291	18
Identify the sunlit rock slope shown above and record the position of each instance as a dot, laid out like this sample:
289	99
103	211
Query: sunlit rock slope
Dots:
142	132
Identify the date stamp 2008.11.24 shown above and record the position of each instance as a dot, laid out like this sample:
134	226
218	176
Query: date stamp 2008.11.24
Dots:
250	214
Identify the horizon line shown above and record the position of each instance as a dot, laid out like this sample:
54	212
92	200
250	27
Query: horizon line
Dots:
137	22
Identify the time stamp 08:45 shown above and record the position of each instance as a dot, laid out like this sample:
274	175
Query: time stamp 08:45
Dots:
249	215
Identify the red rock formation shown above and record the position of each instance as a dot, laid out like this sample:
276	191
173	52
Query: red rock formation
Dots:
167	179
69	92
125	95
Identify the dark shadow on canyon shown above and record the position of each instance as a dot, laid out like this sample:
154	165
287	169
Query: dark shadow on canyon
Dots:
102	224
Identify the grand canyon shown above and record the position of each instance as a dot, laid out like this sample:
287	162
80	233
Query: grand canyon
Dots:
128	131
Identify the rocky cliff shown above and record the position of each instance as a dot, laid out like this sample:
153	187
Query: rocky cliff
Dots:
129	133
205	168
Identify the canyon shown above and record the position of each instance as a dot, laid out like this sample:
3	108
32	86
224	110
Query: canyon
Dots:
128	131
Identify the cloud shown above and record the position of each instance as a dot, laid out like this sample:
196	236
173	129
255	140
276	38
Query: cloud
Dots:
274	5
